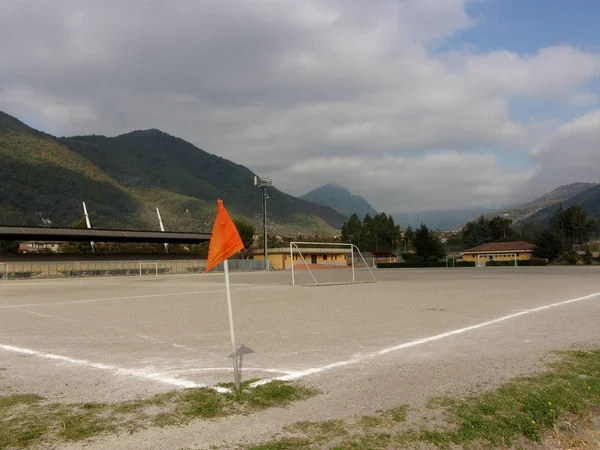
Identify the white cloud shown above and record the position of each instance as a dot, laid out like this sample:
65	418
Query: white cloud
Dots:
569	155
443	180
286	87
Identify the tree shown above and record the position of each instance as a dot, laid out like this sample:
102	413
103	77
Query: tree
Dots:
409	239
548	245
351	230
572	225
428	245
9	246
246	231
78	247
500	229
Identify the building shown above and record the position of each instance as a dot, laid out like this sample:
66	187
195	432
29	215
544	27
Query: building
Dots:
315	257
40	247
499	251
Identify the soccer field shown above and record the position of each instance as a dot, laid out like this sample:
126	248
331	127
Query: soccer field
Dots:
117	338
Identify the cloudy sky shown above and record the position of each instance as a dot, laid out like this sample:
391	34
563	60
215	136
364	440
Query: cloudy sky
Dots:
414	104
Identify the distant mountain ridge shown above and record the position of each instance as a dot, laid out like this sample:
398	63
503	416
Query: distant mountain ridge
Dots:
340	199
524	212
589	199
124	178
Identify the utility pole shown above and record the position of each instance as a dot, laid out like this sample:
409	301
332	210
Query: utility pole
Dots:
264	183
89	225
162	228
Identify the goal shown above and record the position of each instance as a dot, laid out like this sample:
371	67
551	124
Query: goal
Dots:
148	268
327	263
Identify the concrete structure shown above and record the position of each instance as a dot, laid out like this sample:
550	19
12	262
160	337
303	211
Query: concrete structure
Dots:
280	258
499	251
12	233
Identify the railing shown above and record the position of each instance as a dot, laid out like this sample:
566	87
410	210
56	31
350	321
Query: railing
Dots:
44	270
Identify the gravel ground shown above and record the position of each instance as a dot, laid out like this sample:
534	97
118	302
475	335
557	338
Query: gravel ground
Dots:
414	335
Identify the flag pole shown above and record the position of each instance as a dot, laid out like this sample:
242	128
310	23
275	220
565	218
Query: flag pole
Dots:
236	373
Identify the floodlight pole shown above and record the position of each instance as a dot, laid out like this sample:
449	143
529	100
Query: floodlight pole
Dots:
264	183
162	228
89	225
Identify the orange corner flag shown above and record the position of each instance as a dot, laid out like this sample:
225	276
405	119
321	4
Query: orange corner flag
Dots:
225	240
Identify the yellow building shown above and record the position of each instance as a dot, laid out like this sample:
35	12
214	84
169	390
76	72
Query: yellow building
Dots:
499	251
317	258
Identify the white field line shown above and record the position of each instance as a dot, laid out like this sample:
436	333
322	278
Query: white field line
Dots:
414	343
133	297
136	373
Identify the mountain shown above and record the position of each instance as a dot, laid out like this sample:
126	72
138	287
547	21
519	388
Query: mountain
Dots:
123	179
443	220
340	199
523	213
589	200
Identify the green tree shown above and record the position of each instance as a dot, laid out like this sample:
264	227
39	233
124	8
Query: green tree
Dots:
548	245
78	247
351	230
500	229
9	246
409	239
428	245
572	225
246	231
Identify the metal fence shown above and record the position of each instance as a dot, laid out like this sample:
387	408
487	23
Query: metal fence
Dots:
44	270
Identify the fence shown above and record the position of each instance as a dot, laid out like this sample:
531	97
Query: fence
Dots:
43	270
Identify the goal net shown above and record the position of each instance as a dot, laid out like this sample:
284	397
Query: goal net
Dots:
326	263
148	268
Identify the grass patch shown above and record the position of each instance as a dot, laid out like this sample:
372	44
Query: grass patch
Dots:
282	444
526	409
29	419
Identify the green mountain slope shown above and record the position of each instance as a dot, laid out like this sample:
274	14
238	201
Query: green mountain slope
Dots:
124	178
340	199
589	200
522	213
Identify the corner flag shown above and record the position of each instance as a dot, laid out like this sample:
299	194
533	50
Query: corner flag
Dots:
225	240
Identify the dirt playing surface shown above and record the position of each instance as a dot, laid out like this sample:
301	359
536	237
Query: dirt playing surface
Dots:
413	335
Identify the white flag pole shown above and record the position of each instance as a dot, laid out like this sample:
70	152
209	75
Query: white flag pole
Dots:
236	373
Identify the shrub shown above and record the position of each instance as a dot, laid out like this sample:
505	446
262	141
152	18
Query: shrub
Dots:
412	258
587	258
571	257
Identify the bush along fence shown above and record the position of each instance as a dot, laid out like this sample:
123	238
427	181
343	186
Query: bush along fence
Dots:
533	262
43	270
415	265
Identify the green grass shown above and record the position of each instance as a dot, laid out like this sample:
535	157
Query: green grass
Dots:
29	419
526	408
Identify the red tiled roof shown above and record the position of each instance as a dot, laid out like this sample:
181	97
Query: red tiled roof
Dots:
501	247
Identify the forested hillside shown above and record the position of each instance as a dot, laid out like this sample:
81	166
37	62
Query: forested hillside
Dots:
123	179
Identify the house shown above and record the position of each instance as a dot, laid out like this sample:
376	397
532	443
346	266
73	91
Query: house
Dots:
499	251
40	247
384	257
280	258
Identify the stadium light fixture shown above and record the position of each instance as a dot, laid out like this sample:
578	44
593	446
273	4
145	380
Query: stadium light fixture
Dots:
264	183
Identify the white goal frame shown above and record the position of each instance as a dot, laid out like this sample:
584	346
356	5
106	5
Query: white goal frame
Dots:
155	264
351	247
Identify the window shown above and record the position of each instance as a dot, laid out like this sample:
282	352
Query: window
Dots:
324	257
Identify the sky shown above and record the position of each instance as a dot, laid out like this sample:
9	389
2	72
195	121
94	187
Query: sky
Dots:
416	105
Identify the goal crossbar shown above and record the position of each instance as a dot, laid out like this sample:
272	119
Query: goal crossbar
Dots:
340	246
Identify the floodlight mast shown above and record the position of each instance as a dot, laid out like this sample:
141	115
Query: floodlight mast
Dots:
264	183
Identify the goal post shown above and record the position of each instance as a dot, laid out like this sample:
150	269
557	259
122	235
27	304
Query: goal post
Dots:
147	267
318	252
